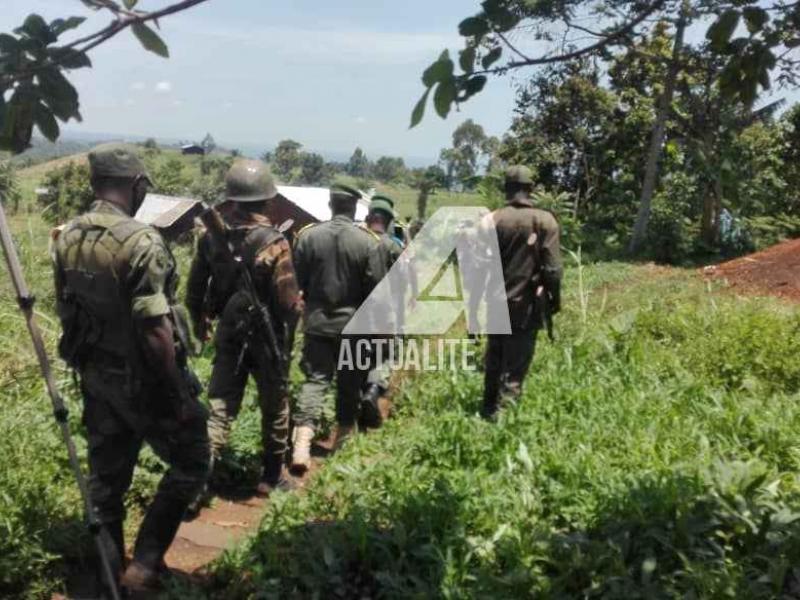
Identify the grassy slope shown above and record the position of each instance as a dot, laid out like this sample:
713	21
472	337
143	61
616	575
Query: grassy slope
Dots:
654	454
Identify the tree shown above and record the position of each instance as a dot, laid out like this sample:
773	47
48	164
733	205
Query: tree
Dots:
313	169
208	144
427	181
389	169
358	165
68	192
470	146
287	157
170	178
33	87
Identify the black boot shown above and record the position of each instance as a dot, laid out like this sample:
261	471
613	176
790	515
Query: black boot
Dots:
112	540
371	416
274	477
157	531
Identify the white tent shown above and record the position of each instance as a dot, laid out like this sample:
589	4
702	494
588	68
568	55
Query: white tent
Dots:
314	201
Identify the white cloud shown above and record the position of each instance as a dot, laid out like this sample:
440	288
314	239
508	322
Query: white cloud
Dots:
361	120
130	102
227	105
177	103
163	87
137	86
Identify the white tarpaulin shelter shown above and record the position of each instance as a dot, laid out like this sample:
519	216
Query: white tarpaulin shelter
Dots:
314	201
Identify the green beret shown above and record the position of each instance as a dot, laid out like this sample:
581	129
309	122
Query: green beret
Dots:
519	174
344	192
380	203
116	160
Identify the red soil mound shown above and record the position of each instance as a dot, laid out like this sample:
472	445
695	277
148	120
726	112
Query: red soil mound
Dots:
774	271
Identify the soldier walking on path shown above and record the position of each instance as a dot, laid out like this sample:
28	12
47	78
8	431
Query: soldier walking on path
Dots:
338	265
379	221
530	253
214	291
115	283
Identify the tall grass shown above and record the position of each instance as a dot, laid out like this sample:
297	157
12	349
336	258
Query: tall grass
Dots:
654	454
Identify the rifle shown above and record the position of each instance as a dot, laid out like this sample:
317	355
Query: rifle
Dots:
545	311
26	302
265	328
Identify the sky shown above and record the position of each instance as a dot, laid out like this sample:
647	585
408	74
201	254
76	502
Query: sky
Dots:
331	74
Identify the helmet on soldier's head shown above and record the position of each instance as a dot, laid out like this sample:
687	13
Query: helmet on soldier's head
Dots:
382	204
116	160
519	174
249	181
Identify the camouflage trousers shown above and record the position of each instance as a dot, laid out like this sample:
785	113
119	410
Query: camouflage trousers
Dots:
320	366
508	358
119	417
232	366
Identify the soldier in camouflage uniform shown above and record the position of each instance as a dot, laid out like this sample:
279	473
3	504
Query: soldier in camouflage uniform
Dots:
530	252
338	265
115	284
213	292
379	220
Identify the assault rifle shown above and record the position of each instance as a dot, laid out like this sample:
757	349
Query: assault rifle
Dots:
261	318
26	302
545	310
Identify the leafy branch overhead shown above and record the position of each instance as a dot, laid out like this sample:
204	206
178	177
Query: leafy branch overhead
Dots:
34	90
755	41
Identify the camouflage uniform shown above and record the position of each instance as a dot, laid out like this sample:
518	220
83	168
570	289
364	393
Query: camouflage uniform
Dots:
238	354
530	253
112	272
338	265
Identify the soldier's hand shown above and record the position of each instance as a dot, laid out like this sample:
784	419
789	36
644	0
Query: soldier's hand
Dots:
203	329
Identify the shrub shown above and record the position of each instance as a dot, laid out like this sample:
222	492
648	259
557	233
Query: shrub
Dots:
69	192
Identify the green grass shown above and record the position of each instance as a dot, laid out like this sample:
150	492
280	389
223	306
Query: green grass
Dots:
654	455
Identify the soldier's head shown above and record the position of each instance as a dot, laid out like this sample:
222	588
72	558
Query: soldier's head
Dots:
381	213
518	182
250	185
344	200
118	176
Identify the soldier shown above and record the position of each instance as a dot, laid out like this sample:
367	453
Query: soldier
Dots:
115	284
530	254
338	265
379	221
213	292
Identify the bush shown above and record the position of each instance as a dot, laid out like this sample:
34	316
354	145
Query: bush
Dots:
69	192
9	187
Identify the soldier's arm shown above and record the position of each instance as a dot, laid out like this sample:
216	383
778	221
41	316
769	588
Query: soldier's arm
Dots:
151	272
300	257
376	266
274	263
552	267
197	286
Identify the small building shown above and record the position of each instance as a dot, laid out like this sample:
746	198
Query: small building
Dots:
193	149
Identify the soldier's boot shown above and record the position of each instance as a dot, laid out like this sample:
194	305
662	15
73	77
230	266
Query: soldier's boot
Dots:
343	433
155	536
301	453
371	416
112	539
275	478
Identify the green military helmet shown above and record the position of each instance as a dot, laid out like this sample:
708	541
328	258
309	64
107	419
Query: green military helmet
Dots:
116	160
249	181
384	204
519	174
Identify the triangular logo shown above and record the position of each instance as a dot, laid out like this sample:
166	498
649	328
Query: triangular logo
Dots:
446	284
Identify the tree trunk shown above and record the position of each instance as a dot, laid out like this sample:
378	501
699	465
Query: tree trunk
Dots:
657	137
712	208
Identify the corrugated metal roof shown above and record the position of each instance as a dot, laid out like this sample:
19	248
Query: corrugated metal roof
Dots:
314	201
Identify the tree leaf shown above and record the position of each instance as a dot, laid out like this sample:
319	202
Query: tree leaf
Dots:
46	122
69	58
36	29
129	4
466	59
722	29
150	40
473	26
491	57
474	85
58	93
438	71
444	96
419	109
59	26
755	18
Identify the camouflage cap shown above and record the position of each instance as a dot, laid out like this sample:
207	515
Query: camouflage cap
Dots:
384	204
249	181
116	160
340	191
519	174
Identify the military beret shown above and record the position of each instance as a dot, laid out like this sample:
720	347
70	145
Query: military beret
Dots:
383	204
340	191
116	160
519	174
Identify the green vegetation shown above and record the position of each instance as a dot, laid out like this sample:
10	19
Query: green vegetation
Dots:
654	455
